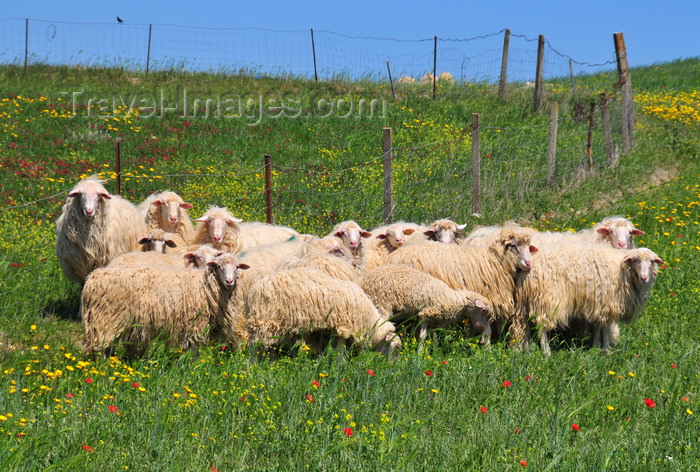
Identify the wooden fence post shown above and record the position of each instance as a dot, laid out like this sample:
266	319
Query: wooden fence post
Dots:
26	42
391	80
476	163
148	55
504	67
387	160
607	133
589	145
552	150
313	50
625	84
268	189
118	170
538	100
434	66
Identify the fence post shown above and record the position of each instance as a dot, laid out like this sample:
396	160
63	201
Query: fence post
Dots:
504	66
589	145
26	42
313	50
476	163
387	160
148	55
434	66
573	80
268	189
625	84
118	170
391	80
552	151
607	133
539	86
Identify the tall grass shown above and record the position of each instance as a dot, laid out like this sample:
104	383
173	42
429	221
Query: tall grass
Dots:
456	405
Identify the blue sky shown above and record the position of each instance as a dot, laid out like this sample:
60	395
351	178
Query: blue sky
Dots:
654	31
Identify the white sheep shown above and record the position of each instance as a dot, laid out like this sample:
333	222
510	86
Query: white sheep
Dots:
328	255
444	231
351	234
255	233
135	305
296	304
598	284
385	240
488	270
446	77
401	292
167	210
158	240
406	80
94	227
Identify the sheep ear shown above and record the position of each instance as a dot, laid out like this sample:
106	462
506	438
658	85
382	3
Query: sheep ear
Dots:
409	231
480	304
365	234
603	230
233	221
243	266
144	240
203	219
461	227
211	264
170	243
628	259
429	232
381	236
105	195
74	193
157	202
218	253
186	206
636	232
533	249
339	234
190	256
658	260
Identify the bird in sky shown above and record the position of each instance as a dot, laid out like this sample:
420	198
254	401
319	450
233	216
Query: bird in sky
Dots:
120	20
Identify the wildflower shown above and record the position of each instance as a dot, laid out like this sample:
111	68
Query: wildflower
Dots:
135	385
575	427
21	435
673	366
517	430
428	373
523	463
32	327
88	448
348	432
506	384
611	372
316	383
444	362
88	380
689	411
685	399
649	402
213	469
113	409
370	372
610	408
70	395
528	377
309	398
483	409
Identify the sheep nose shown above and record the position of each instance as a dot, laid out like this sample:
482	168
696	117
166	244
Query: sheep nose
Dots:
89	211
623	245
217	239
229	281
644	278
173	219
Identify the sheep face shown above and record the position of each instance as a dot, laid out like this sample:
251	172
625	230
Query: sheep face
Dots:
444	231
394	235
620	233
520	252
156	242
352	237
217	226
170	211
644	263
203	256
335	247
226	267
91	194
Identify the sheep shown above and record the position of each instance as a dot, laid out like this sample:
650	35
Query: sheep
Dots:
446	77
328	255
303	302
198	256
168	211
384	241
351	234
94	227
601	285
158	240
489	270
428	78
406	80
444	231
201	256
130	305
221	229
405	292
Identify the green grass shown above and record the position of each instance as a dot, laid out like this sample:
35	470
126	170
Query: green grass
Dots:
176	411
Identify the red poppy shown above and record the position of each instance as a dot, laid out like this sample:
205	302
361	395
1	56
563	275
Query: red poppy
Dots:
135	385
315	383
428	373
213	469
517	430
523	463
649	402
483	409
370	372
113	409
348	432
528	377
505	384
70	395
15	265
673	365
21	435
88	380
575	427
88	448
444	362
309	398
685	399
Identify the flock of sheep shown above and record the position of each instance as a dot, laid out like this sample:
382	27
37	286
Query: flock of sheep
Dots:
147	272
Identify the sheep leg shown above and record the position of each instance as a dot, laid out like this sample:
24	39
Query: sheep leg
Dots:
606	338
339	345
482	323
544	341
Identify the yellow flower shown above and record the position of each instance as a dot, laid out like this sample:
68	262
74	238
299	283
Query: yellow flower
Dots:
610	408
611	372
32	327
689	411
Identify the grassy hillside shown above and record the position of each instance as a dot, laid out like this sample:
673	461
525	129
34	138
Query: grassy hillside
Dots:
456	406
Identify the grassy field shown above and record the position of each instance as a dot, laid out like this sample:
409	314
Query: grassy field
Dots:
456	406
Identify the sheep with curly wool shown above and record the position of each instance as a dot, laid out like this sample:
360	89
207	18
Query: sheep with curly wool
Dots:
299	303
129	305
385	240
168	211
595	283
328	255
488	270
401	292
95	227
